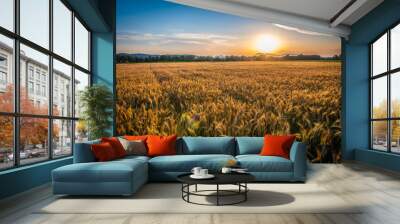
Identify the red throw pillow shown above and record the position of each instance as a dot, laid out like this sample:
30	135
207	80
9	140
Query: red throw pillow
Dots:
103	152
161	145
277	145
116	145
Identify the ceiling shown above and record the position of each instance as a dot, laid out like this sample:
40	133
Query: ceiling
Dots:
333	17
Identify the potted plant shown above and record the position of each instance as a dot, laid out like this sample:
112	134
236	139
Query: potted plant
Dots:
96	102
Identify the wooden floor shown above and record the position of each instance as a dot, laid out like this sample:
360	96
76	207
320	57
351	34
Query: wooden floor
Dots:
379	189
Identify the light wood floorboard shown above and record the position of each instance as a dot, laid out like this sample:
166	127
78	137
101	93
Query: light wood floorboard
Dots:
354	182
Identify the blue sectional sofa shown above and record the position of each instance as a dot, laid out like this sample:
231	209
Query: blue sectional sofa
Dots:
125	176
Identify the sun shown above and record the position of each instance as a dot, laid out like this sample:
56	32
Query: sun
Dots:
266	44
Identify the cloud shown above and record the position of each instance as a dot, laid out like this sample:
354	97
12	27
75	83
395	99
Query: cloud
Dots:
300	30
180	38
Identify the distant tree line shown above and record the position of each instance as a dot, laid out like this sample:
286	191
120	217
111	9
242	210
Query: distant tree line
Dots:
137	58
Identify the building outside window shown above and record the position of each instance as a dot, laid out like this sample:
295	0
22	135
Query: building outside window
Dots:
30	87
3	72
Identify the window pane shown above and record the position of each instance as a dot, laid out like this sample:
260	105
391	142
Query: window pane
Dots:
81	131
62	89
7	14
62	29
81	45
35	21
395	138
6	142
379	97
34	72
395	47
395	94
6	74
62	138
379	55
379	135
33	140
81	82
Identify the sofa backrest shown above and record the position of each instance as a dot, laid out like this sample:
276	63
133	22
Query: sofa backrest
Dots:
249	145
83	152
206	145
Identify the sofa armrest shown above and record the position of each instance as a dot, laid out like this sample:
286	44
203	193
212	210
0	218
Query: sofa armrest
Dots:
299	159
83	152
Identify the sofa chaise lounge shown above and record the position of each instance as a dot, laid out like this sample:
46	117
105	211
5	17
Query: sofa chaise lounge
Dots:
125	176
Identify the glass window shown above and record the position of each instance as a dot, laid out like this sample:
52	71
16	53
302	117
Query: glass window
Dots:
7	14
40	62
6	142
395	95
81	82
34	21
30	71
379	56
81	131
33	140
62	29
34	80
385	92
395	138
62	137
30	87
81	45
379	135
62	72
395	47
7	74
379	97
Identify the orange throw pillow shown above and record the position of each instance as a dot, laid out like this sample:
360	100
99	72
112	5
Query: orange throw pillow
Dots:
161	145
103	152
116	145
135	138
277	145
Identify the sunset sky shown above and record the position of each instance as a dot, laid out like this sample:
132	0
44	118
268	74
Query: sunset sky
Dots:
159	27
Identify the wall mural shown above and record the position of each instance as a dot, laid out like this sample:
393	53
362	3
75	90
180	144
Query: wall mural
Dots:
196	72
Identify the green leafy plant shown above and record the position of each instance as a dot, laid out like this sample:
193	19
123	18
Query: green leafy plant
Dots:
96	102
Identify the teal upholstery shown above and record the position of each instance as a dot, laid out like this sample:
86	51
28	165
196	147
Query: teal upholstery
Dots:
83	152
257	163
249	145
298	155
125	176
184	163
119	177
208	145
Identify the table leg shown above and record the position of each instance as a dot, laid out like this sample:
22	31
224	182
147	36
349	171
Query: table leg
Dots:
195	188
245	193
217	194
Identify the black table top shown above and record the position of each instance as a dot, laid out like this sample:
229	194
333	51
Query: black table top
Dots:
220	178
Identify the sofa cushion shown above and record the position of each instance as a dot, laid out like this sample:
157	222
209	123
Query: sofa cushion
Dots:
103	152
208	145
257	163
185	163
116	145
249	145
161	145
112	171
277	145
134	147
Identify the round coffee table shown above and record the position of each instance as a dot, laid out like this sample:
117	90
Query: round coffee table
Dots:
238	179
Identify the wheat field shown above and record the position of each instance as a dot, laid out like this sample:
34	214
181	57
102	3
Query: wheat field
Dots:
235	99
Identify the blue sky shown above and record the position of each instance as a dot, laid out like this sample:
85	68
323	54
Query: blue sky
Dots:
160	27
